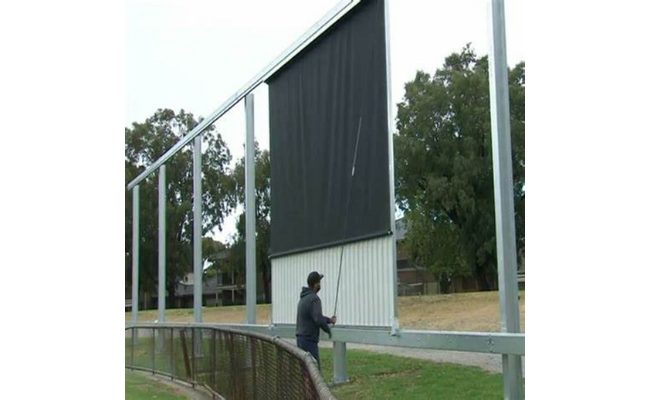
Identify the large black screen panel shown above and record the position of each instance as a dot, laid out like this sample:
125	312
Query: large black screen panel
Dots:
322	102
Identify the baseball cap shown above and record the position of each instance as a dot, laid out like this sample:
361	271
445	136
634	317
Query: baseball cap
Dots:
314	277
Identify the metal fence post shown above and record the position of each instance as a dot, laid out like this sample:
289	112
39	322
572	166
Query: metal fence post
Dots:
213	372
340	363
132	346
135	254
196	239
503	196
194	353
391	174
153	351
173	360
251	284
233	365
252	342
162	207
186	353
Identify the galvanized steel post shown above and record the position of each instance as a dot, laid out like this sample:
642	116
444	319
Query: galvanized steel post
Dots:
133	344
162	200
153	351
135	254
503	196
251	284
391	170
171	351
197	237
340	363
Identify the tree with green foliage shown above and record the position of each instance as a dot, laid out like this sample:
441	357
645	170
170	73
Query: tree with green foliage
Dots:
145	143
262	219
213	253
444	181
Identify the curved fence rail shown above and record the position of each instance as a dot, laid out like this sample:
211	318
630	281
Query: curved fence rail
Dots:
229	363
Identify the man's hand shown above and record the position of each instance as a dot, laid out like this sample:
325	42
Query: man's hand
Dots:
333	319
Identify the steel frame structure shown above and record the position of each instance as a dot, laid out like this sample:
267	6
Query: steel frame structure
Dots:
477	342
509	342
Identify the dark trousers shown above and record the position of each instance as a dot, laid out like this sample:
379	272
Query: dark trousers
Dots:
309	346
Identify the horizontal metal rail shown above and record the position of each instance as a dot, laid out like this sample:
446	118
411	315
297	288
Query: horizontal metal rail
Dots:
312	33
477	342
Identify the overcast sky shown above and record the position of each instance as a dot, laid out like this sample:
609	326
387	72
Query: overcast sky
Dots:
194	54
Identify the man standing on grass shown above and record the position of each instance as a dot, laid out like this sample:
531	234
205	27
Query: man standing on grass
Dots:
310	319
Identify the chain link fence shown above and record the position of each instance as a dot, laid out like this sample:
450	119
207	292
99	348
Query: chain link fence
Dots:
228	363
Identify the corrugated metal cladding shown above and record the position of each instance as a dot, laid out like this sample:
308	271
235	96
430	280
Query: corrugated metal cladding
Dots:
367	291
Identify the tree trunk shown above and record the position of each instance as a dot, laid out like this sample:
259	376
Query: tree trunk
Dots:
171	293
445	283
483	277
266	278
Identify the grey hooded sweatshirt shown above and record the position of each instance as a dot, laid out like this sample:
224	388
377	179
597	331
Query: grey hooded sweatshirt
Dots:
310	317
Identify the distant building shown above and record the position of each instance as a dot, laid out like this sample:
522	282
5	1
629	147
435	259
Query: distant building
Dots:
416	280
215	291
221	289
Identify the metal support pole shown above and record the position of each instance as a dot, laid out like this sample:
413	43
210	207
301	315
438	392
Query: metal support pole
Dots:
162	207
340	363
251	284
503	196
197	238
135	254
171	350
391	170
213	370
194	355
153	351
133	330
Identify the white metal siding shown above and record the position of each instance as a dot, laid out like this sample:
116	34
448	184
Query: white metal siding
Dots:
367	291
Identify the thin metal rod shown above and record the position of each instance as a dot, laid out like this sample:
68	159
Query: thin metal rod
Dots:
197	237
162	207
194	354
214	359
312	33
249	185
347	211
135	254
173	360
391	167
503	195
133	346
153	350
253	342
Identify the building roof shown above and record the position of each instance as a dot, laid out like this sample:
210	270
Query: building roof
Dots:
210	286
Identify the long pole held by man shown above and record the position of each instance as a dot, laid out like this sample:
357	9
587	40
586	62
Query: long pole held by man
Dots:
310	319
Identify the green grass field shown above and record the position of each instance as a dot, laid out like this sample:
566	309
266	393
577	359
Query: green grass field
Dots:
477	311
139	387
382	376
372	376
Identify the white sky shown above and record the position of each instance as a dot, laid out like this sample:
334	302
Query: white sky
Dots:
194	54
